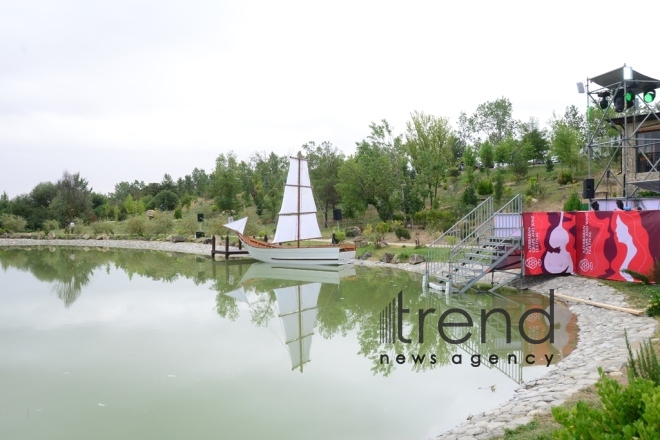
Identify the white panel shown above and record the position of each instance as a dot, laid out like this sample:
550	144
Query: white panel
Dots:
291	324
307	199
294	347
307	346
287	228
294	353
292	177
309	227
304	174
287	299
309	295
308	321
290	200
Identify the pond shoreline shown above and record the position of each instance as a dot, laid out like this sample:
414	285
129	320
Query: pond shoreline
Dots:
600	341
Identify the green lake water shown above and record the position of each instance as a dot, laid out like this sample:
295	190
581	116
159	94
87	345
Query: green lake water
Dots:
118	344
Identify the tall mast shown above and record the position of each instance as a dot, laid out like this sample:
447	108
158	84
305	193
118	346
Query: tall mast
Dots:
299	169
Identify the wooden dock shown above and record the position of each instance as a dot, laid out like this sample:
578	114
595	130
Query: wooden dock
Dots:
227	252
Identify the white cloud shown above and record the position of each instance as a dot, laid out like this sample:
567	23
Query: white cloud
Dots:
128	90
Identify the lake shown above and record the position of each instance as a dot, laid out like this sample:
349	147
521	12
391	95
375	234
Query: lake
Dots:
110	344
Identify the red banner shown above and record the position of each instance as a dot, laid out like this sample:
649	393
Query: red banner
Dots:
598	244
549	242
610	241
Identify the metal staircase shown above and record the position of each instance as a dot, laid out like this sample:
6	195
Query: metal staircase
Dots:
481	243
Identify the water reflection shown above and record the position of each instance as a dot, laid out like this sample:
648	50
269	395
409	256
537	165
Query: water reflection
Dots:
189	347
264	288
301	304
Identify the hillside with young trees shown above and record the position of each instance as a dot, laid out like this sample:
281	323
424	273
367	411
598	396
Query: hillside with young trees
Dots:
428	172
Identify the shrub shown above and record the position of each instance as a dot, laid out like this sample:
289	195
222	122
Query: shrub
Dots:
485	187
166	199
573	203
549	165
13	223
51	225
161	224
653	309
630	412
420	218
401	232
636	275
103	228
398	217
404	255
469	197
498	188
534	188
178	214
645	365
188	225
340	235
564	177
382	228
654	273
136	226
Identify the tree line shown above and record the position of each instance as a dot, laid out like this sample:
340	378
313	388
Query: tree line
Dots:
398	174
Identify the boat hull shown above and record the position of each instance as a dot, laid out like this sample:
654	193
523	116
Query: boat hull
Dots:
321	255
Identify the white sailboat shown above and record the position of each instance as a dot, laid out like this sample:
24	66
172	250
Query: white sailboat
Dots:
296	221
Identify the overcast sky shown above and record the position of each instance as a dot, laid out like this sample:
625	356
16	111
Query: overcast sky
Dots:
124	90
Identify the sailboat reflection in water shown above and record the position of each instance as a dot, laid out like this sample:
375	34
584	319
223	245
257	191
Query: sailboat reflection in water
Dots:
297	304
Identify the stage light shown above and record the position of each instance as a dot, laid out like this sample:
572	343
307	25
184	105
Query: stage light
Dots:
594	205
649	96
619	101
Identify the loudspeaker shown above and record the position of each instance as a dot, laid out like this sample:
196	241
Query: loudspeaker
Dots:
588	189
336	214
199	234
200	218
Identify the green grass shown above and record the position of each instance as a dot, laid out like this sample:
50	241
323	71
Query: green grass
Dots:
637	294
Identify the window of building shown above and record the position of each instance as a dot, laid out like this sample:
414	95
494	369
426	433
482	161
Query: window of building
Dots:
649	144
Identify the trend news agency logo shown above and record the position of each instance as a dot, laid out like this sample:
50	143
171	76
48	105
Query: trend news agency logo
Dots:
391	329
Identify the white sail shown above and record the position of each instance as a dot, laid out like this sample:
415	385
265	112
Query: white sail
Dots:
297	217
297	312
237	226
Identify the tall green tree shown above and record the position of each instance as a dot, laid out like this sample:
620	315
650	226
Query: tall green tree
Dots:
200	182
429	141
324	160
367	178
487	155
493	121
269	178
74	198
566	144
226	183
531	133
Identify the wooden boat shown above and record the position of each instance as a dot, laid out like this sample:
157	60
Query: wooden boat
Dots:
296	221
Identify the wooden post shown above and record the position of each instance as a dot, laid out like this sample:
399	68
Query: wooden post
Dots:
227	247
213	247
596	304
